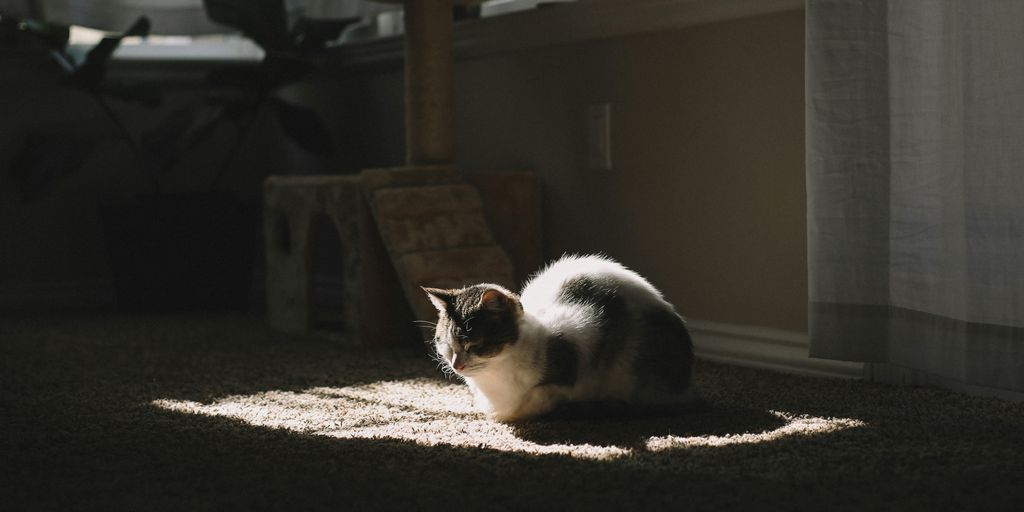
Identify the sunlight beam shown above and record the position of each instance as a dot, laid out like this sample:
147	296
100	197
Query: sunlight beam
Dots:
795	426
433	413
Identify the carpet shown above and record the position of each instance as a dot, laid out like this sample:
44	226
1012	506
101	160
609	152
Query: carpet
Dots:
216	412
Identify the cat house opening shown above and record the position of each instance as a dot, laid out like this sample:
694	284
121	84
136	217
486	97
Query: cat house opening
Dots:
327	271
282	234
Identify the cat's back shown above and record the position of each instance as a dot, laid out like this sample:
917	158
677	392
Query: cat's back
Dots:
586	279
610	333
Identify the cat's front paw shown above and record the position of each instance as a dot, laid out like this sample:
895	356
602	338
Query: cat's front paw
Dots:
502	417
510	416
517	415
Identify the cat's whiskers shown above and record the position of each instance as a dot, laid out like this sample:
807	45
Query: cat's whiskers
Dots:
443	365
439	359
448	371
466	371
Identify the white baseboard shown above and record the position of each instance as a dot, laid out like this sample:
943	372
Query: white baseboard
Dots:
764	347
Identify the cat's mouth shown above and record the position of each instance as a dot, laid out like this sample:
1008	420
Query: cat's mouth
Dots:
467	370
461	364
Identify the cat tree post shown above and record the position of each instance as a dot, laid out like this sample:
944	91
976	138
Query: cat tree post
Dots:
431	220
429	87
429	80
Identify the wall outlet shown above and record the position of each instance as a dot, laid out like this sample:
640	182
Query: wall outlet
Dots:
599	136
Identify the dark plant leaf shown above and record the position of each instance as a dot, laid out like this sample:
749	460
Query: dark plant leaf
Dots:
146	94
55	34
162	146
205	127
46	159
273	72
43	43
183	130
309	34
245	77
263	21
239	108
94	69
303	126
9	28
280	70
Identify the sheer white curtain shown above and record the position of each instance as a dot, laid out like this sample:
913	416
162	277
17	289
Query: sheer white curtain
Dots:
915	183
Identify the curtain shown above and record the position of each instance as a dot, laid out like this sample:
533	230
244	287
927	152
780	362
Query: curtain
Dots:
915	186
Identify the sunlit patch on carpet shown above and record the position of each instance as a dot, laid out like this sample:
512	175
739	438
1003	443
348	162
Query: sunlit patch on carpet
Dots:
794	425
432	413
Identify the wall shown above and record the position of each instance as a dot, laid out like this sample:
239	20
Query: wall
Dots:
706	197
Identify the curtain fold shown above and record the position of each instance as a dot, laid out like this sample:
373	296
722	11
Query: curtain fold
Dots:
915	185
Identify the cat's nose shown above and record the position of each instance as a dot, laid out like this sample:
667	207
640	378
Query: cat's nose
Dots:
458	362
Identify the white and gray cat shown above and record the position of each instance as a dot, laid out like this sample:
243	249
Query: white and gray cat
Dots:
584	330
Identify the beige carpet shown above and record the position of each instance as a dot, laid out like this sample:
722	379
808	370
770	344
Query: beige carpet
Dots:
187	412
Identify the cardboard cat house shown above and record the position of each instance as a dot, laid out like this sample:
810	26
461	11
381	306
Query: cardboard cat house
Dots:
400	229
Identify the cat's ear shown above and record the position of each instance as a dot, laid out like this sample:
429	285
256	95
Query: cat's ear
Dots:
441	299
495	300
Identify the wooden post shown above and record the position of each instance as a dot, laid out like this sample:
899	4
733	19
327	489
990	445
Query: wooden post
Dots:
429	82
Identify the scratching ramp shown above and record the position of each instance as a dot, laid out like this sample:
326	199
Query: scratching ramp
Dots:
433	224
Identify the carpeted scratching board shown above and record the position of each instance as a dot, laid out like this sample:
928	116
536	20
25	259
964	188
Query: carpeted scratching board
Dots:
433	225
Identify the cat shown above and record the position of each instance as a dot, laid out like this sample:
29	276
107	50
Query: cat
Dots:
585	329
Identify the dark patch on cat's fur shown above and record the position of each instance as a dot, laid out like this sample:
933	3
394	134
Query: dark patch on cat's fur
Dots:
586	290
665	355
603	295
563	363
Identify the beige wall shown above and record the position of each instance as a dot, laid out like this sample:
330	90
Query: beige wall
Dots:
706	197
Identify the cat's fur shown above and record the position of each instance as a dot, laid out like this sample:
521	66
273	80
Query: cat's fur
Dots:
585	330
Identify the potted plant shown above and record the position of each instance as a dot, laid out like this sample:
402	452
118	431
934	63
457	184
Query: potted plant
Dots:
194	249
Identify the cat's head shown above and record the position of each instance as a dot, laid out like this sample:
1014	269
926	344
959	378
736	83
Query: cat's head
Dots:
474	325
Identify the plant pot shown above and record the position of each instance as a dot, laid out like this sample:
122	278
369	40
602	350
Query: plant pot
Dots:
181	252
